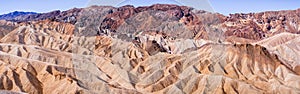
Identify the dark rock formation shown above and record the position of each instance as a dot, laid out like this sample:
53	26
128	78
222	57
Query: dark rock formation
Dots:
12	15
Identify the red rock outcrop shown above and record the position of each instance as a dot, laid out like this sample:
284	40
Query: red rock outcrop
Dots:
264	24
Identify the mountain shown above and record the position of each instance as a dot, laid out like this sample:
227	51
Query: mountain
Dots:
253	26
12	15
153	49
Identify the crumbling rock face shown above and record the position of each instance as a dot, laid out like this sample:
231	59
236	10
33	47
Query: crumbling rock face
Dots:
171	19
6	27
264	24
39	56
154	49
285	45
90	19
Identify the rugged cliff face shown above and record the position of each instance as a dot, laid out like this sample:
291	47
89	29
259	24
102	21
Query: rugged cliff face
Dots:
169	18
263	24
153	49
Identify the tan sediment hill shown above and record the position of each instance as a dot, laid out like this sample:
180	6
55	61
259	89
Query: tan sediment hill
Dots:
6	27
157	49
287	47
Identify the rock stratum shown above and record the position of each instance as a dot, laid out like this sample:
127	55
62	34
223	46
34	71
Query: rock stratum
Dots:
166	49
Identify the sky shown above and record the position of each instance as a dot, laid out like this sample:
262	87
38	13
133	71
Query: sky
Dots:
222	6
7	6
247	6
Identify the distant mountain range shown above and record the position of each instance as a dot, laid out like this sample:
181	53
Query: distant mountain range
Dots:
12	15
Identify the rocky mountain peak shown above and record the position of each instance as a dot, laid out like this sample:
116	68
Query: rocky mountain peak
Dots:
151	49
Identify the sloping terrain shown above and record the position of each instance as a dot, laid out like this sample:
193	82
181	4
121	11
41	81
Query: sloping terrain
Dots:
6	27
94	20
154	49
286	46
13	15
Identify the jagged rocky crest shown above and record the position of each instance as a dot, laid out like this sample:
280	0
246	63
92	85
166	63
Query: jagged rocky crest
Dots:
152	49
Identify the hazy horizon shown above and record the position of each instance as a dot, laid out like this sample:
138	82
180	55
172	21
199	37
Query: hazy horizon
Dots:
228	7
